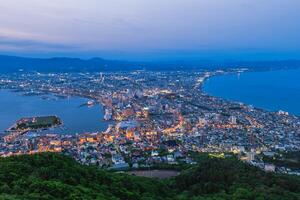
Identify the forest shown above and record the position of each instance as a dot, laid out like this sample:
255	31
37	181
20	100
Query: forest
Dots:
55	176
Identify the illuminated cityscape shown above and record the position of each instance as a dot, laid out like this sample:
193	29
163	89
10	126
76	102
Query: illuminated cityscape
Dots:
149	100
154	117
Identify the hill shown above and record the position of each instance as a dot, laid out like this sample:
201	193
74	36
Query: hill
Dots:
10	64
233	179
55	176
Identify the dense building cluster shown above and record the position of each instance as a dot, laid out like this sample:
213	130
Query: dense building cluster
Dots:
156	117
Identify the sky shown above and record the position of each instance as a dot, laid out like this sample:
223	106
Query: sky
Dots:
151	29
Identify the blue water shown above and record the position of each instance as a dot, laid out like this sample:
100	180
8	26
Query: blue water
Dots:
76	118
270	90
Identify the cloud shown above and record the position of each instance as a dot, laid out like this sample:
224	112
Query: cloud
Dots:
18	40
147	25
23	35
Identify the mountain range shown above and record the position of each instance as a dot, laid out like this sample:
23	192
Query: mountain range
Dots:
9	64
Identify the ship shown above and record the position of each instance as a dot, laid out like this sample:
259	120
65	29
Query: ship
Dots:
90	103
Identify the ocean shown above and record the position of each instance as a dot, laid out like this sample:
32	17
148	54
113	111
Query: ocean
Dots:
269	90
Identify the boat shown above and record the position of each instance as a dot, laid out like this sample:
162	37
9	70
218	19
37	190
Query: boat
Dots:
90	103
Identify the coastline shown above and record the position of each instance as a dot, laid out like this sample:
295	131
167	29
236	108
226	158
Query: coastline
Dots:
174	115
232	100
42	102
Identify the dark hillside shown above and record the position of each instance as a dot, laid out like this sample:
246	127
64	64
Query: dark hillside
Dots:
55	176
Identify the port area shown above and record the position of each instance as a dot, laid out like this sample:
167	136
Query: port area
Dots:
24	125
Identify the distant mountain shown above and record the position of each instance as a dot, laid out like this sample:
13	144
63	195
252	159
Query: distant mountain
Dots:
61	64
64	64
263	65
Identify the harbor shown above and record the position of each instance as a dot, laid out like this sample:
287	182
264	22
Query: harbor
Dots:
75	118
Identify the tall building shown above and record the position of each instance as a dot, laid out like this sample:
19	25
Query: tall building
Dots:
232	120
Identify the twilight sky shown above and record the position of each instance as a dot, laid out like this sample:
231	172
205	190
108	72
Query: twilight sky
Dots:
151	29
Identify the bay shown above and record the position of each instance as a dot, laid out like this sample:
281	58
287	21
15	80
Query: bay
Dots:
269	90
76	118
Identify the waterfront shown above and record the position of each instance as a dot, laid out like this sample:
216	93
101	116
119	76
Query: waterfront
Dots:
156	118
76	118
270	90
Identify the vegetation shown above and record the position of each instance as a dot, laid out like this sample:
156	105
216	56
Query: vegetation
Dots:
215	178
55	176
286	159
39	122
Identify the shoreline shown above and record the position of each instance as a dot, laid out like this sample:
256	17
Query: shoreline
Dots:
205	92
55	95
176	118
